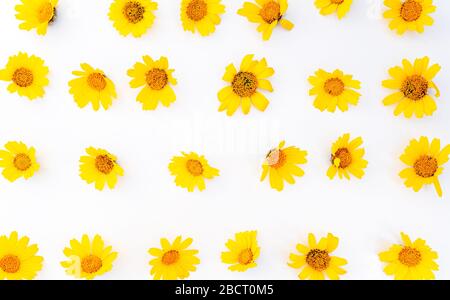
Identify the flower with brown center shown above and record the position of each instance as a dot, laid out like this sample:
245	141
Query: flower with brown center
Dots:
23	77
318	259
414	87
242	251
426	166
97	81
245	257
410	257
170	257
347	158
334	86
104	164
18	160
91	264
133	12
133	17
244	84
270	12
36	14
411	10
196	10
22	162
201	15
194	167
412	15
342	158
276	158
10	264
156	79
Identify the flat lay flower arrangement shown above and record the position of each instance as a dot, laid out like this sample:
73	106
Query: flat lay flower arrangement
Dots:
126	106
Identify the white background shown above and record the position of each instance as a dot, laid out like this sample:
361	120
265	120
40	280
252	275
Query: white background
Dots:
368	215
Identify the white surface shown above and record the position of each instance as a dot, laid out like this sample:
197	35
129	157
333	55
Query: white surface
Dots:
368	215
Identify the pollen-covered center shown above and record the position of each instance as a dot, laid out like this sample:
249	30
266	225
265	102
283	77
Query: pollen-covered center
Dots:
197	10
276	158
411	10
170	257
133	11
46	13
344	156
23	77
91	264
22	162
318	259
414	87
334	86
244	84
104	164
157	79
10	264
270	12
426	166
337	1
245	257
97	81
194	167
410	257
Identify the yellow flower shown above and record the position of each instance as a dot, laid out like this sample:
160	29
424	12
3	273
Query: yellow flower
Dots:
173	261
281	165
410	261
243	251
191	170
18	260
333	90
411	15
27	74
244	85
201	15
327	7
266	13
92	85
101	167
425	161
36	14
316	261
88	259
132	16
156	79
17	161
347	158
412	84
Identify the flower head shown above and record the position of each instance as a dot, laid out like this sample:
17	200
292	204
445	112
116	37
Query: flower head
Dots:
18	160
347	158
132	16
201	15
242	252
412	15
36	14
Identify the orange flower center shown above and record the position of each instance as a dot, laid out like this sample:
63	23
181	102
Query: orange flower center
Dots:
337	1
22	162
10	264
46	13
245	257
270	12
104	164
91	264
317	259
133	11
170	257
97	81
415	87
23	77
157	79
426	166
244	84
411	10
344	156
197	10
334	86
276	158
194	167
410	257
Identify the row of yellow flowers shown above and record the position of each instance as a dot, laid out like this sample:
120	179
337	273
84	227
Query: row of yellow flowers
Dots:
135	17
88	258
412	85
424	160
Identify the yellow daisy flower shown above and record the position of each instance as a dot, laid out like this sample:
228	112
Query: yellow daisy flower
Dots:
244	85
347	158
411	15
36	14
27	74
88	259
333	90
201	15
101	167
92	85
425	161
410	261
18	160
327	7
191	170
243	251
18	260
132	16
412	84
316	261
281	165
266	13
174	260
156	79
